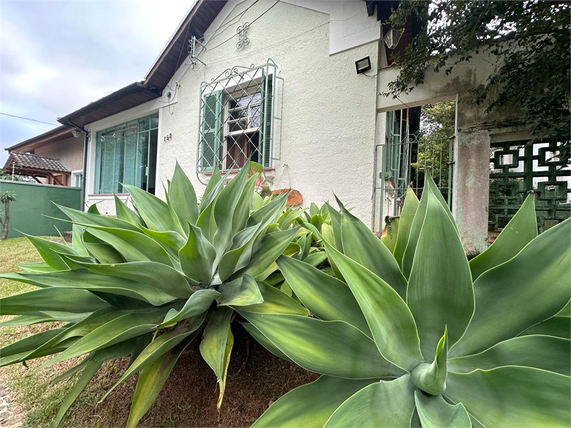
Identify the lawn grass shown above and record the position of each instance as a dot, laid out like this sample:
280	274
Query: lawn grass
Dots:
33	393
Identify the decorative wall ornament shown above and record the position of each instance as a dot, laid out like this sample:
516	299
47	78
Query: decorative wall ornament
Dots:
242	32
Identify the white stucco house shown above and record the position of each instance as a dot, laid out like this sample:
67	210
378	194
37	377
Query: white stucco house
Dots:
286	82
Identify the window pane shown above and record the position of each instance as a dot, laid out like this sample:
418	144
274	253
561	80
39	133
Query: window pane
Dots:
142	155
121	155
130	165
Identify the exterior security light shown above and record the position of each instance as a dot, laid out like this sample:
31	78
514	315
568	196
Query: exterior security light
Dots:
392	38
75	133
363	65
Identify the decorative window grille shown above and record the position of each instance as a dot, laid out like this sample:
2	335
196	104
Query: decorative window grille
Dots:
126	154
237	118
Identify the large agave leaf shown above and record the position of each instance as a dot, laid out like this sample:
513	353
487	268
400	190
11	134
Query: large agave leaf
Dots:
216	346
435	412
310	405
149	384
270	247
126	214
264	341
242	291
158	275
409	208
334	348
133	246
390	321
80	329
439	289
414	234
513	397
275	302
542	352
224	208
152	210
196	304
197	256
91	219
50	252
48	299
431	378
559	326
520	230
363	246
171	241
214	186
75	280
158	348
325	296
336	226
239	255
536	282
182	201
243	206
386	404
115	331
18	350
92	365
102	252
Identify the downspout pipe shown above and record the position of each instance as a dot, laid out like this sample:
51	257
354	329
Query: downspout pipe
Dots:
85	146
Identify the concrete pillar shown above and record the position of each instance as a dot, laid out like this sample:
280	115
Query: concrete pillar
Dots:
470	192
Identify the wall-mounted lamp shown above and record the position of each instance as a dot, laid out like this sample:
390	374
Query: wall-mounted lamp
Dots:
75	133
363	65
392	38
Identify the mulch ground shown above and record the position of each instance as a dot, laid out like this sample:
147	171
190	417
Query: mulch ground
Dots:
188	399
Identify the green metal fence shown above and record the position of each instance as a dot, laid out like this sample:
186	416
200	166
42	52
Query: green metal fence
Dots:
404	160
31	211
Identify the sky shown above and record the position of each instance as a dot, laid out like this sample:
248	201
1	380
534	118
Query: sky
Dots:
58	55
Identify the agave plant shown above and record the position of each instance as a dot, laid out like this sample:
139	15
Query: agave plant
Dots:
418	336
149	282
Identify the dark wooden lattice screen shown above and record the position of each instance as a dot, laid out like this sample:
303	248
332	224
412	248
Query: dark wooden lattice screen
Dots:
516	168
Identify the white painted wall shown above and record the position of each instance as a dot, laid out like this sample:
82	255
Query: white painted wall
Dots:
329	112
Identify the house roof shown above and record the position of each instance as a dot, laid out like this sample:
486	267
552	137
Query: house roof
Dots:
196	22
125	98
60	133
174	53
29	164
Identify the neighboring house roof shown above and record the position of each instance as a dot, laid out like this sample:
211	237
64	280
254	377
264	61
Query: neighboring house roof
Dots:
60	133
33	163
195	24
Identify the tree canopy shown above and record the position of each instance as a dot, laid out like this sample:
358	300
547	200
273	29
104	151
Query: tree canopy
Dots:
530	40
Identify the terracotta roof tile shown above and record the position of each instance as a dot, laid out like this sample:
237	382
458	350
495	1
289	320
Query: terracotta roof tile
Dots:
30	161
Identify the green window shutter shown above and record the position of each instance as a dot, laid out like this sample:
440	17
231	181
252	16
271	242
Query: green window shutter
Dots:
267	116
211	134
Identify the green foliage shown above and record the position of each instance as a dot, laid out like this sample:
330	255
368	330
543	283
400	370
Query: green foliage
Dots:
7	196
151	281
527	40
421	336
434	139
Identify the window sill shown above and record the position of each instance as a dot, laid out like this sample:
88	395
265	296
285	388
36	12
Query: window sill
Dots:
96	195
232	173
